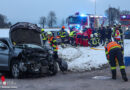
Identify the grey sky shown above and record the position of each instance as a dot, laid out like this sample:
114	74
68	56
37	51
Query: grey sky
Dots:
31	10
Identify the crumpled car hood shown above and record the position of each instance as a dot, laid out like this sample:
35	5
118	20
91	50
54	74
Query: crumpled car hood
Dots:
25	33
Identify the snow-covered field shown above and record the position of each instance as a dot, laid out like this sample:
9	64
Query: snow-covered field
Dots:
80	58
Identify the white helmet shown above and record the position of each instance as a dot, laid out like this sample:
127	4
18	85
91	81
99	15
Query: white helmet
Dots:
96	35
91	35
49	33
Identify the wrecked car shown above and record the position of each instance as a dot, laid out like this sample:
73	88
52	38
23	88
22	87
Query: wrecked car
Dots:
24	52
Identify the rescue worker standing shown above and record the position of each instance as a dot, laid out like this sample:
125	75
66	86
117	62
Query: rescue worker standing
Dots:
113	51
53	44
62	35
72	36
103	36
44	37
118	35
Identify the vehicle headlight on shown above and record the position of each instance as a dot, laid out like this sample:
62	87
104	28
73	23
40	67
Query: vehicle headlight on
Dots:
78	27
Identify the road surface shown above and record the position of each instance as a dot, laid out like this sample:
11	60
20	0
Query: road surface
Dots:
73	81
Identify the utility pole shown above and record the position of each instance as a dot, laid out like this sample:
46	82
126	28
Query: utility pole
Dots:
95	7
109	15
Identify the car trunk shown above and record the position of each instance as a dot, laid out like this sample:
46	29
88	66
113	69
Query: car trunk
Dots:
25	33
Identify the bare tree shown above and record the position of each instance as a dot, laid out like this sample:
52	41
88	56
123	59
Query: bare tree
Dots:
3	22
113	15
62	22
51	19
42	21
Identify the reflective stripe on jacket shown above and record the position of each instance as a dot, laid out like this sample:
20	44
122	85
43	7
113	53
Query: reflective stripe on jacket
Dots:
53	43
44	36
72	34
112	45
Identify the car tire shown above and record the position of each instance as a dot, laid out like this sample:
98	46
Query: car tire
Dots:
53	69
15	71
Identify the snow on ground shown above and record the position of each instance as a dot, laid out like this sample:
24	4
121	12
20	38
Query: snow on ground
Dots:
80	58
83	58
127	47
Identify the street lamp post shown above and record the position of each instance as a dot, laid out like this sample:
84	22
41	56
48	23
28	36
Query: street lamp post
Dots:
95	7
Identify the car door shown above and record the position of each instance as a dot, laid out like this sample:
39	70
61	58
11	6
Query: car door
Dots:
4	56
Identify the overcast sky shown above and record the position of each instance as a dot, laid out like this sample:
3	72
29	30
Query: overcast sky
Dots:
31	10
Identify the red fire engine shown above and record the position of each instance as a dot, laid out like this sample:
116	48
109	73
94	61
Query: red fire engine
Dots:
80	21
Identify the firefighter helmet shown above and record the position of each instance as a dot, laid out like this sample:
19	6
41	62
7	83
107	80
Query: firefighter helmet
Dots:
63	27
91	36
42	30
49	33
96	35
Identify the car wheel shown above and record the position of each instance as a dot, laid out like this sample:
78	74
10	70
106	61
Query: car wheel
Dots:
15	71
53	69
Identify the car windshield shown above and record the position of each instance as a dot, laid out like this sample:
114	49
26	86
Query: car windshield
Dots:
28	46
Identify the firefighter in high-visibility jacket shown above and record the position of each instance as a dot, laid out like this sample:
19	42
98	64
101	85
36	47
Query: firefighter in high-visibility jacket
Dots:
72	36
44	37
118	35
93	41
62	35
114	54
53	44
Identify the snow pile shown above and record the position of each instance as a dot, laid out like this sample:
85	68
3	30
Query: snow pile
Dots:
83	58
127	47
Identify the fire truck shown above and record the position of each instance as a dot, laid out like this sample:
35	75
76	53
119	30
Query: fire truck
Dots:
80	21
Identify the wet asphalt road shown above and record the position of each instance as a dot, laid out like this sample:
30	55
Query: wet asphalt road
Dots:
73	81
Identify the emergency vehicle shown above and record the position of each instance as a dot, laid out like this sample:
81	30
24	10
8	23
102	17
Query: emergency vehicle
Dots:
80	21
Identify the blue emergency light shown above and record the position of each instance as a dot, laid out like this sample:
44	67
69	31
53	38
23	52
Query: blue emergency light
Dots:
83	15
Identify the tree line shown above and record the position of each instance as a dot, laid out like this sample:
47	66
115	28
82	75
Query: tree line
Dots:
4	22
50	20
113	15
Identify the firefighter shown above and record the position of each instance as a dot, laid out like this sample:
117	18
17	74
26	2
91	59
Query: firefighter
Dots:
44	37
72	36
62	35
103	36
99	34
114	54
93	42
85	37
118	35
97	39
113	31
53	44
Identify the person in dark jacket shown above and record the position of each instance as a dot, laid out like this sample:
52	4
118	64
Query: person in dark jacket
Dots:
103	36
108	34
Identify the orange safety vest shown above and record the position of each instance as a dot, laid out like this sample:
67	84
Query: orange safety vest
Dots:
50	40
112	45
